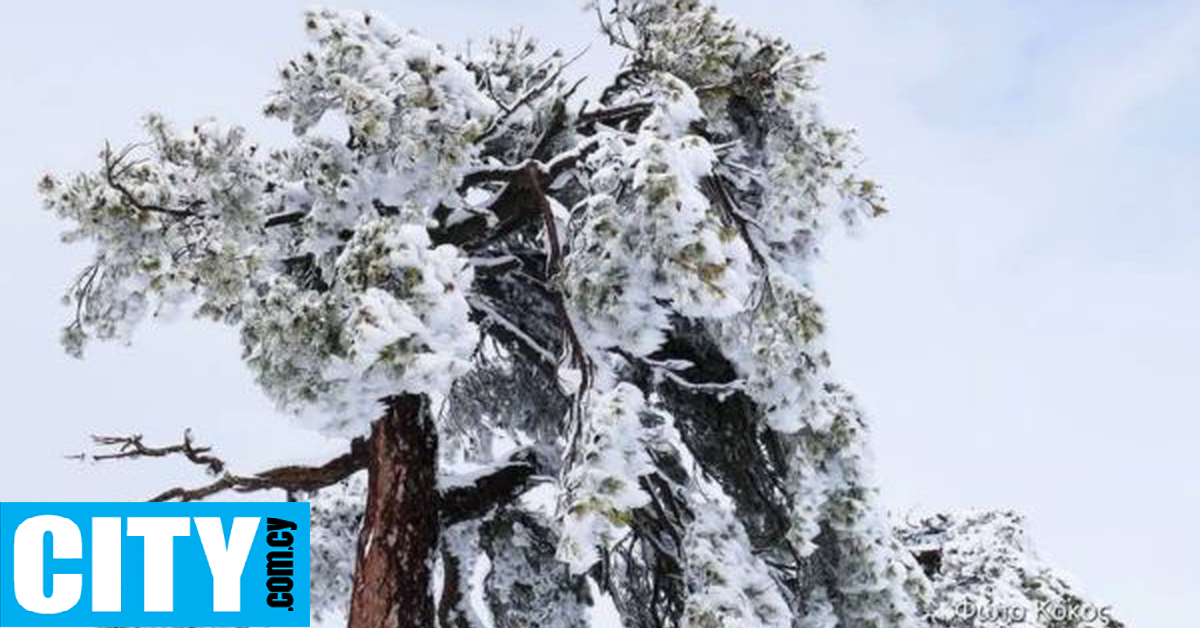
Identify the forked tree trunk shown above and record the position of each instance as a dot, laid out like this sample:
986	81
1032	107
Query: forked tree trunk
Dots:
393	575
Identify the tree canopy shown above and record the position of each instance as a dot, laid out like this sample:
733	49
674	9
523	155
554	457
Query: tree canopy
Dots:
611	302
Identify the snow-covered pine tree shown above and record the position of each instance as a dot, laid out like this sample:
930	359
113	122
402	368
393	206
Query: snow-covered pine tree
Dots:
985	574
575	345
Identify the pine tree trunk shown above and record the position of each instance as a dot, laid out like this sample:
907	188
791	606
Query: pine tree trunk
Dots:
396	547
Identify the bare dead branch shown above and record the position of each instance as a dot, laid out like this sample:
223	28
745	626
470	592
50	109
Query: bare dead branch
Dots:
465	500
290	478
132	447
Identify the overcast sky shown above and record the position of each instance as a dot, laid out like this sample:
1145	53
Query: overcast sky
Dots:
1022	328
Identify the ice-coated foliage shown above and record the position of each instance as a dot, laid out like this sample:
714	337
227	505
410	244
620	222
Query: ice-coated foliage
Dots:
601	489
877	583
650	243
729	587
985	574
782	172
412	109
526	583
802	164
819	611
336	516
461	552
319	253
173	219
394	320
621	290
778	350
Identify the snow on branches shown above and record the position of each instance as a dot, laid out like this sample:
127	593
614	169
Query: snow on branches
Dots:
985	574
650	243
409	104
172	219
602	489
319	253
600	286
395	320
729	586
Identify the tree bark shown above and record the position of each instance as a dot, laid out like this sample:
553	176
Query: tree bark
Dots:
393	576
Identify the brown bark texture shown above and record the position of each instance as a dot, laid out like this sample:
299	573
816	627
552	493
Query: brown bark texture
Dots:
396	547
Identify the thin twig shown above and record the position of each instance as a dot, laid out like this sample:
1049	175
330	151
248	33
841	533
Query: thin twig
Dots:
112	177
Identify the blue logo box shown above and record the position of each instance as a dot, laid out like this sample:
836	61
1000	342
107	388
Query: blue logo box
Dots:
140	564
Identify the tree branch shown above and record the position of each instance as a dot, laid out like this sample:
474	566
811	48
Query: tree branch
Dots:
476	496
290	478
112	177
467	499
717	188
613	115
285	218
132	447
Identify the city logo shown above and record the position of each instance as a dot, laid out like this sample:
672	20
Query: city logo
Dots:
154	565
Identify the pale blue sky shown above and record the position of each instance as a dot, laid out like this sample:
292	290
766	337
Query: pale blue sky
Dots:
1021	328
